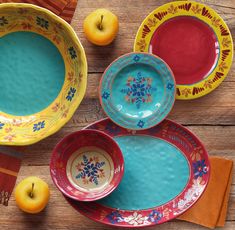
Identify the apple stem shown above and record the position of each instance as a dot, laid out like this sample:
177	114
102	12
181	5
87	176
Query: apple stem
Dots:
100	25
31	193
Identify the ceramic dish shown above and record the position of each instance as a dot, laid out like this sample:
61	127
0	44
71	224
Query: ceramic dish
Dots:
43	73
166	171
193	40
137	91
87	165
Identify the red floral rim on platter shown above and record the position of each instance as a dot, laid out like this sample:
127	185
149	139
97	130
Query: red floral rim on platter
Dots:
197	158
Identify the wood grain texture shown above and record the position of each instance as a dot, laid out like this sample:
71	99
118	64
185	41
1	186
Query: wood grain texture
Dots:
211	118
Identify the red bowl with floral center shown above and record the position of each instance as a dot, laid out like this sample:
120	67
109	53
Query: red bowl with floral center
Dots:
87	165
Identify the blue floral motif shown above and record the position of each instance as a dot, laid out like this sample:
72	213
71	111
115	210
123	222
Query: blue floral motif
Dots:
1	125
136	58
115	217
42	22
199	168
140	124
105	95
155	216
72	52
71	93
40	125
90	169
170	86
139	90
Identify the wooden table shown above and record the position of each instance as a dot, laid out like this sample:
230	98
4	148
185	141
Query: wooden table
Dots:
211	118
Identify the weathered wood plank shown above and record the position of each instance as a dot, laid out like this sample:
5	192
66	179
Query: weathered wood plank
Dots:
218	140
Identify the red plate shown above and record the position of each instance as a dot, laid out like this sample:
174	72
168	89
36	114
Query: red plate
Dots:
188	46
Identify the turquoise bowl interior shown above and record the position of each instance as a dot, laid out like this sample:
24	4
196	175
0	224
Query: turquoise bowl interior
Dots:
35	73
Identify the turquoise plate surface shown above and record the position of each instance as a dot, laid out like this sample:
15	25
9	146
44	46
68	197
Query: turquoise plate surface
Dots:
137	91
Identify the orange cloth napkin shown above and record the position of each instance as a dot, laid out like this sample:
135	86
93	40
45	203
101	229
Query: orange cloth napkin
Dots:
211	209
64	8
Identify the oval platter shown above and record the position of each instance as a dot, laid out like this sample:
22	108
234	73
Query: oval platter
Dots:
43	73
193	40
166	171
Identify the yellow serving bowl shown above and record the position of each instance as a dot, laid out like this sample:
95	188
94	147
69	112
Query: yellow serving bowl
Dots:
28	129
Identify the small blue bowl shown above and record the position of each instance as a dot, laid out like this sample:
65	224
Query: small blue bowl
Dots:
137	91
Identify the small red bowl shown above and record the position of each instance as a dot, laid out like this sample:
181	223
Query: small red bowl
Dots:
87	165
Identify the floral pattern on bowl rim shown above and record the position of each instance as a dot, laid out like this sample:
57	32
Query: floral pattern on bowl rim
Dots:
209	17
25	130
198	161
138	91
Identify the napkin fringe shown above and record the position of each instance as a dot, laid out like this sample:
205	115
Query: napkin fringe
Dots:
4	197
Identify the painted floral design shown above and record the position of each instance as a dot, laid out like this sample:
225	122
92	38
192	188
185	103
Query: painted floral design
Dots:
3	21
71	94
139	90
8	129
1	125
208	84
172	9
10	137
142	44
72	52
42	22
155	216
215	21
115	217
140	124
105	95
64	111
26	26
226	42
196	154
56	38
90	170
136	58
152	22
185	92
55	107
223	66
40	125
199	168
137	219
191	195
196	9
170	86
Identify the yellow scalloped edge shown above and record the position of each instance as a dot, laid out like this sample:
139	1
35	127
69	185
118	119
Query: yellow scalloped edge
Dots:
25	130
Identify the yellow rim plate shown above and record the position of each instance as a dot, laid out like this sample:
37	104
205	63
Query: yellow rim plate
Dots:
212	19
25	130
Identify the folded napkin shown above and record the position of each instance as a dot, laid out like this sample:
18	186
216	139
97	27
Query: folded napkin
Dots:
64	8
211	209
10	160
